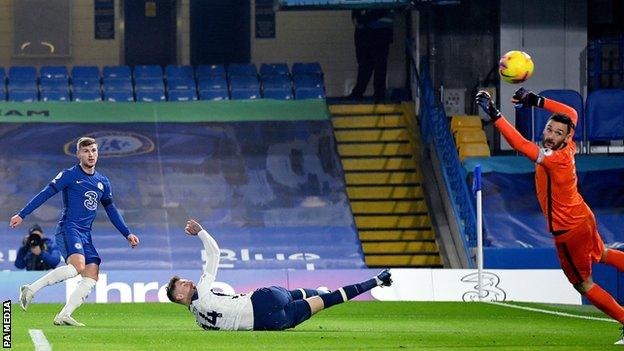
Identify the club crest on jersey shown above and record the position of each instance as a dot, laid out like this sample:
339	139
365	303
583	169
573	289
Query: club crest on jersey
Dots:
100	186
116	144
78	246
91	200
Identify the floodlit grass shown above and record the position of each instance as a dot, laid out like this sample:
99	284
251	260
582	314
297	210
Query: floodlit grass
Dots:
350	326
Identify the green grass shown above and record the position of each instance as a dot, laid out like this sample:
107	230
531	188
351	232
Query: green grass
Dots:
351	326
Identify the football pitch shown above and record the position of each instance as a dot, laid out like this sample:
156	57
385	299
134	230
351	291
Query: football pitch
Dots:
350	326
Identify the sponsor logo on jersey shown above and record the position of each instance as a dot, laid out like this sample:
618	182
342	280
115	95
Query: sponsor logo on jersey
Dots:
116	144
91	201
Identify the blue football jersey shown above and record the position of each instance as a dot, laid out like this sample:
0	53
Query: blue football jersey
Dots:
82	193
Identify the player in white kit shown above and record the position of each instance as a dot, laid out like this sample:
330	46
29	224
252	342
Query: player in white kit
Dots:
271	308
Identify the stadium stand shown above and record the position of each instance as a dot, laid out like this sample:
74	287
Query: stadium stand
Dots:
605	115
81	96
214	94
150	95
85	72
242	69
23	72
147	71
54	72
274	69
309	93
182	95
55	95
118	95
23	95
210	70
277	93
244	94
116	72
177	71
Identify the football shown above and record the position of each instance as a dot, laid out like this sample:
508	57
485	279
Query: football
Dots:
515	67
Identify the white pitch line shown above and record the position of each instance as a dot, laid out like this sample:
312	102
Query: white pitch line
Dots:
39	339
556	313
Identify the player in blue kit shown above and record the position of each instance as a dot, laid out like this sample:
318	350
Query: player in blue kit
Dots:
83	188
271	308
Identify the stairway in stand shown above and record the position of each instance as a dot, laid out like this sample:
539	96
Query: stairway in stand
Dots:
384	185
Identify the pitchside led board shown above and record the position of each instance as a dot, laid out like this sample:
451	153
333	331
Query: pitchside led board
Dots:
41	28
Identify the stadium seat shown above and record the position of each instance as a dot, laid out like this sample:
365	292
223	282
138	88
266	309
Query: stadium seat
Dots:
150	96
244	82
23	72
272	82
86	72
22	84
473	150
23	95
274	69
299	68
309	93
242	69
148	71
81	96
180	83
86	84
461	121
605	115
209	71
118	96
245	94
308	81
54	95
53	84
212	82
176	71
53	72
117	84
116	72
2	75
566	96
149	84
182	95
470	136
278	94
214	94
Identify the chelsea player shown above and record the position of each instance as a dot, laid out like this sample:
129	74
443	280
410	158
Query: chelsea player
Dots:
83	188
270	308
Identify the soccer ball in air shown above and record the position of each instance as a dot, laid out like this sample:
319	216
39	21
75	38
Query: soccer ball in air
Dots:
515	67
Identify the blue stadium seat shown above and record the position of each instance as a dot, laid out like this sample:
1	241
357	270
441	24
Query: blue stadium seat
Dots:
212	82
117	84
88	72
149	84
244	82
150	96
55	96
2	75
245	94
210	70
309	93
214	94
22	84
273	82
80	96
180	83
118	96
178	71
306	68
53	72
53	84
116	71
23	95
182	95
278	94
308	81
566	96
148	71
86	84
605	115
274	69
242	69
23	72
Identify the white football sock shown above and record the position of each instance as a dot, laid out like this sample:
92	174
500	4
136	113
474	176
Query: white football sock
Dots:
78	296
57	275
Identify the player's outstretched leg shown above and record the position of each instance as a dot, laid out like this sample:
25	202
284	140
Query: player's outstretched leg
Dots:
75	300
302	293
350	291
59	274
614	258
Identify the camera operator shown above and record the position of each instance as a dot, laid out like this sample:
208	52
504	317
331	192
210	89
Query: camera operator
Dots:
37	253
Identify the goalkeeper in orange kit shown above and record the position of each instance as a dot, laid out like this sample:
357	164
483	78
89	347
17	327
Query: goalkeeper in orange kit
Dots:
569	219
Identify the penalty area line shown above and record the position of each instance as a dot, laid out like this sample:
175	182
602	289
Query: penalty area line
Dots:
556	313
39	339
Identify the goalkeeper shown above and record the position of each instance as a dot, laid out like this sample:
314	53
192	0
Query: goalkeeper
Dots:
271	308
569	219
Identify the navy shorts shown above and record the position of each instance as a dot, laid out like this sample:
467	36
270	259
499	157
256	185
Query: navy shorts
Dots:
70	242
275	309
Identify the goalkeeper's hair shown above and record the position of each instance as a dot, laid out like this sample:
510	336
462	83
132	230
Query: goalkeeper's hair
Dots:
557	117
171	287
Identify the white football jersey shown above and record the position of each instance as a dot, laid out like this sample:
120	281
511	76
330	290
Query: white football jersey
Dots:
215	311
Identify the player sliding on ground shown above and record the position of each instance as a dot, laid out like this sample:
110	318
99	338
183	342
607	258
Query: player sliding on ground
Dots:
83	188
569	219
272	308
